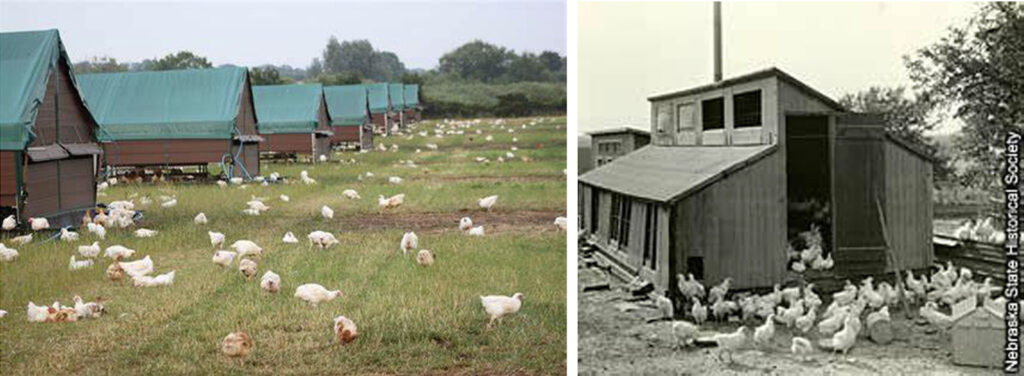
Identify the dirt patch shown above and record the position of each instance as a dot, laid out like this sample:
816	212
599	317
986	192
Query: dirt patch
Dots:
495	222
616	341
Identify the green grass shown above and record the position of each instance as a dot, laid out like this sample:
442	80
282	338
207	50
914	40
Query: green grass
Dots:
411	320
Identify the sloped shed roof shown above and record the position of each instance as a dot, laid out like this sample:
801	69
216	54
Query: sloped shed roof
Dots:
346	104
412	95
378	97
397	94
287	108
26	60
666	173
178	104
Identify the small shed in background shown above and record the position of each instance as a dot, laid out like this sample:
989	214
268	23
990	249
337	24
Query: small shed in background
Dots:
396	94
608	144
413	109
979	337
349	108
190	117
49	157
738	167
380	107
293	119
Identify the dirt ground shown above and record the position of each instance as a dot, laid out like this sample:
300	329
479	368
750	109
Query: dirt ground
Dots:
617	341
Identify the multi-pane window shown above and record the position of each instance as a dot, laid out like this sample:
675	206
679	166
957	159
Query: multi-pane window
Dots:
685	119
613	230
609	147
651	237
595	205
746	109
712	114
664	118
620	218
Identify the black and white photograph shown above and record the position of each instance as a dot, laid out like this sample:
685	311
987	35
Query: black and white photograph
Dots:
797	188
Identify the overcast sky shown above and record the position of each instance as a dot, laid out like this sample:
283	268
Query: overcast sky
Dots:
253	33
628	52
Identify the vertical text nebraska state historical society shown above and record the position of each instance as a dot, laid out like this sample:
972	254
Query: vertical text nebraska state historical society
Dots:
1012	198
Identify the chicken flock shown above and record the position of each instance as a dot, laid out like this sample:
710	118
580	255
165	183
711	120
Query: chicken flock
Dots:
242	255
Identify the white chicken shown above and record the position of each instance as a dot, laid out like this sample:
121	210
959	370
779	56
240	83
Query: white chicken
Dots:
170	203
488	202
497	306
729	342
37	313
425	258
844	339
465	224
561	223
216	239
698	311
98	229
763	334
90	310
315	294
224	258
351	194
390	202
118	252
801	346
879	315
165	279
138	267
246	247
326	212
409	241
684	332
270	282
8	254
285	198
930	311
75	265
68	236
9	223
145	233
718	292
476	231
304	177
38	224
200	219
321	239
395	180
289	238
247	267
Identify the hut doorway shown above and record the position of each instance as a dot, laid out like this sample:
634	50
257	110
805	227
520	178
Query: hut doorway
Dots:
808	178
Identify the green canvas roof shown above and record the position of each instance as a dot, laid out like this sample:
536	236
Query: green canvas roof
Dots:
397	94
378	97
178	104
411	95
346	104
26	60
287	108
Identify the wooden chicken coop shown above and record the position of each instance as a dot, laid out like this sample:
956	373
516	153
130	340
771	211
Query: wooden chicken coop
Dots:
49	156
293	119
413	109
738	167
380	107
349	111
191	117
396	94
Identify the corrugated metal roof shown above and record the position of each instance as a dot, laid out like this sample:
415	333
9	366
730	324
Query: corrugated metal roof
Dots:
665	173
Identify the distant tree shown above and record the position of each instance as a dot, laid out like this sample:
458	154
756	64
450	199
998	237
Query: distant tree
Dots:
977	70
906	116
315	68
553	61
328	79
180	60
527	68
412	79
104	64
478	61
265	75
359	58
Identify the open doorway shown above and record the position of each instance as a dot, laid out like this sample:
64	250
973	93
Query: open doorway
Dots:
808	180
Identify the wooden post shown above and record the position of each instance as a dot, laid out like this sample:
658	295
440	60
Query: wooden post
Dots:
892	258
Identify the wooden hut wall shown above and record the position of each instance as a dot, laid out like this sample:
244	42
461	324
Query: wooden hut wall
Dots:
908	206
301	143
737	225
164	152
246	120
8	178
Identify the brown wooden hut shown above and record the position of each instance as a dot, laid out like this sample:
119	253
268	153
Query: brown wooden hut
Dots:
738	167
293	119
48	150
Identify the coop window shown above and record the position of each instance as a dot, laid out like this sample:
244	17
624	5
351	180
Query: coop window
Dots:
651	238
712	114
664	118
695	266
684	120
595	205
746	109
609	147
613	231
620	216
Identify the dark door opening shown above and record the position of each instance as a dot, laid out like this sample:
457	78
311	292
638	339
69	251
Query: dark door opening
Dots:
808	179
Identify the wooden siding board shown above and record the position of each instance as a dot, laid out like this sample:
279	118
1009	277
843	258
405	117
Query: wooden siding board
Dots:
8	179
908	206
164	152
41	185
77	187
76	126
288	143
246	120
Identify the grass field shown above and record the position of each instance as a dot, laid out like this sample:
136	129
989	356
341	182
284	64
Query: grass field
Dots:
411	319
